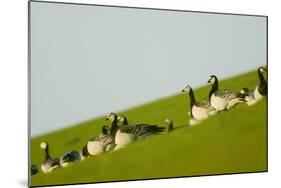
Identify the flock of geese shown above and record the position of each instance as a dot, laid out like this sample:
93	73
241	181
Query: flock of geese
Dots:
121	133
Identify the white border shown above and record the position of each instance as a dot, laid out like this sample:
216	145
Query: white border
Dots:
13	92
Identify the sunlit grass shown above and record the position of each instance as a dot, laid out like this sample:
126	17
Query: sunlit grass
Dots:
231	142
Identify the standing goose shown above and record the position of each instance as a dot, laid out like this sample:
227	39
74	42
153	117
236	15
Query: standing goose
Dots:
69	158
255	95
100	144
169	124
223	99
198	110
130	133
49	163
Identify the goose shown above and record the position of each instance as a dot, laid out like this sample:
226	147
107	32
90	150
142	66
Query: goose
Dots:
169	124
33	169
100	144
122	120
49	164
198	110
69	158
255	95
114	126
223	99
130	133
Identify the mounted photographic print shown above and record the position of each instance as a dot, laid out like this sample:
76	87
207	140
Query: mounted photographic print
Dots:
122	93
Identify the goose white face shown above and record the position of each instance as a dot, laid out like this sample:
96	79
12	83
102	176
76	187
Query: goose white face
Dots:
121	119
211	79
43	145
111	116
262	70
186	89
168	121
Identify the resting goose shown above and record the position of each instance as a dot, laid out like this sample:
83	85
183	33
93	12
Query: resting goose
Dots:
198	110
255	95
49	164
69	158
169	124
130	133
223	99
100	144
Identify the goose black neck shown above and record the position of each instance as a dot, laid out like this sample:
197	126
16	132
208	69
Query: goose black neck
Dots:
105	130
114	126
215	87
261	77
47	156
192	100
85	152
125	121
171	126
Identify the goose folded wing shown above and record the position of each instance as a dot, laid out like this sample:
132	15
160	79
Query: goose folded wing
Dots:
103	139
204	104
141	129
227	94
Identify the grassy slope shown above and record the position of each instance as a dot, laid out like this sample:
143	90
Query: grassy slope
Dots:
231	142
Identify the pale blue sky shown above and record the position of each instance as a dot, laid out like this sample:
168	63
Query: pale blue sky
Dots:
87	61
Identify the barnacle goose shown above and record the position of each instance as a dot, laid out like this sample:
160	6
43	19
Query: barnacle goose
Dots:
169	124
223	99
198	110
33	169
49	164
69	158
130	133
255	95
99	144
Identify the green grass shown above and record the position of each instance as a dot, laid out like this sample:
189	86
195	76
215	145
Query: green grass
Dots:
231	142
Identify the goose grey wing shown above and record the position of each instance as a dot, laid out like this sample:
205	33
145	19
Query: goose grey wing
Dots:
227	94
102	138
204	104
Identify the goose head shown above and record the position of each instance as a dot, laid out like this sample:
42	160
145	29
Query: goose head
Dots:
212	79
122	120
44	145
262	70
111	117
169	124
106	130
187	89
